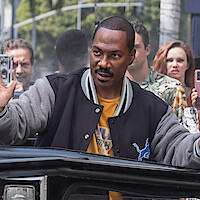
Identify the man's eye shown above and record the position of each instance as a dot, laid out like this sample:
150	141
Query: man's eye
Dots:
24	64
115	56
97	53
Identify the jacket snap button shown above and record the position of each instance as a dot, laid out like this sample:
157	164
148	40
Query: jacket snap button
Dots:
97	110
112	122
86	136
118	150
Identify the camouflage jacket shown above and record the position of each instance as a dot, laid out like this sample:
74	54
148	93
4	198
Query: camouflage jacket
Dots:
163	86
172	92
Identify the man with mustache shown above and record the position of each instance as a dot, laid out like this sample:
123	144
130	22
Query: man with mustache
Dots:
23	60
98	109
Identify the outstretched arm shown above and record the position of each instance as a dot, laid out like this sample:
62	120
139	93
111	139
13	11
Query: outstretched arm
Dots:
175	145
27	115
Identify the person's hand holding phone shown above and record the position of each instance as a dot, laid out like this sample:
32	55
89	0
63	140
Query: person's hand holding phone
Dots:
195	96
6	93
195	99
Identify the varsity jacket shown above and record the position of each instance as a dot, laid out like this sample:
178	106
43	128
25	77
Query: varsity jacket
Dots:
64	111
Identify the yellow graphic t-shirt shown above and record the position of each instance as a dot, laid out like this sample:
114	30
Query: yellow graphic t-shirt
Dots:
101	142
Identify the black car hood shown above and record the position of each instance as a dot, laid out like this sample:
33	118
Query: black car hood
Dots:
123	173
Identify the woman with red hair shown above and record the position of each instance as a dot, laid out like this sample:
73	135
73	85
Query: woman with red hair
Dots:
175	59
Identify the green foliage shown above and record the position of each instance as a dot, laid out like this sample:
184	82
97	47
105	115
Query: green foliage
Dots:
183	23
50	28
151	20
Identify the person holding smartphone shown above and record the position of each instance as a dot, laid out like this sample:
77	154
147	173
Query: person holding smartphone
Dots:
175	59
23	60
167	88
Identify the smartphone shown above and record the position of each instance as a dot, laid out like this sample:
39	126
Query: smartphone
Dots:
6	66
197	85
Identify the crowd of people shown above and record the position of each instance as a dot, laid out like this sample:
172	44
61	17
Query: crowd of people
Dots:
149	79
106	108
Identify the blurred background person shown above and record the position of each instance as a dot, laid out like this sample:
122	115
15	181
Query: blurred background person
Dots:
23	60
148	78
71	50
175	59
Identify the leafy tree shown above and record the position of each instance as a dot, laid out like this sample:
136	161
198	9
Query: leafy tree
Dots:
183	23
151	20
50	28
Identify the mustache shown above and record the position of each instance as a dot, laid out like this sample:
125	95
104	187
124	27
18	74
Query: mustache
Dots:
104	70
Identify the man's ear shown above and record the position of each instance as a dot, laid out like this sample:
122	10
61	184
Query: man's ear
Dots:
148	49
132	56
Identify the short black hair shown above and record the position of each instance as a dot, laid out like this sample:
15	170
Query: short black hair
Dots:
17	44
71	49
141	30
121	24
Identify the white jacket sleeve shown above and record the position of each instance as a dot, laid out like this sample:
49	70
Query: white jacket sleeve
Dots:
27	115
